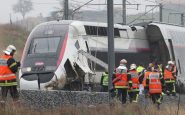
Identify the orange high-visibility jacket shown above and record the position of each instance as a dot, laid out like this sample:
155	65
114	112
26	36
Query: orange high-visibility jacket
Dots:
145	77
168	75
134	78
121	81
154	83
5	72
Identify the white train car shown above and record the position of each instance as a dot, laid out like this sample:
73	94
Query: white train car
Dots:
51	55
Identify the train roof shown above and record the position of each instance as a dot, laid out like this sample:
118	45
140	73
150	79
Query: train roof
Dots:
79	25
168	26
101	24
168	29
85	23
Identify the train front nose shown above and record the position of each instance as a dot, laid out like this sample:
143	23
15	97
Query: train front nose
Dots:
28	85
36	77
42	55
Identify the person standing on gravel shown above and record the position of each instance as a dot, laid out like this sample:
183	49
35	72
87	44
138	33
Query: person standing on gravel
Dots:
8	68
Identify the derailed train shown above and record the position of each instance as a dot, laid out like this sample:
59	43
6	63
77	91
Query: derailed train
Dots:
52	55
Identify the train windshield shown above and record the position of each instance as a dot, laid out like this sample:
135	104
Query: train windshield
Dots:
44	45
46	39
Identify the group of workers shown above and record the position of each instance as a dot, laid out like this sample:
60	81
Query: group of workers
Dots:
156	80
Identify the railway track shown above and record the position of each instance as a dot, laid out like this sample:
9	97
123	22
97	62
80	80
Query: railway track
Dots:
51	99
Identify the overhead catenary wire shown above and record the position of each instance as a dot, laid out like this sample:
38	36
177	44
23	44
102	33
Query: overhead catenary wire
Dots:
48	3
81	6
128	1
134	1
93	8
151	1
45	3
142	15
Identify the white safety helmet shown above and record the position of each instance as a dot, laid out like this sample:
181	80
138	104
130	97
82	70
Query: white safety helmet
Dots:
168	67
9	49
133	66
123	61
170	62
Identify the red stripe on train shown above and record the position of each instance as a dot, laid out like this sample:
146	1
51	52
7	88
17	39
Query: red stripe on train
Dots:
63	49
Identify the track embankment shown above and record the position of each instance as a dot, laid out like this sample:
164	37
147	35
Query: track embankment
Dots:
52	99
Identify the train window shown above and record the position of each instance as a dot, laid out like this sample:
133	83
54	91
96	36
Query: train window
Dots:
44	45
100	31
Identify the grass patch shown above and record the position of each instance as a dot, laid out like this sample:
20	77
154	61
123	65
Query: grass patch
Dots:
103	109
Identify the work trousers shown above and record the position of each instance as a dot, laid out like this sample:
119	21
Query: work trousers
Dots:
146	90
133	95
13	92
122	94
156	98
170	88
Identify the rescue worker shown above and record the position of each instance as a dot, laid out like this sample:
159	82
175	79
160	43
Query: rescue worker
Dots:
104	81
155	81
144	77
134	89
170	78
121	81
8	68
160	69
140	68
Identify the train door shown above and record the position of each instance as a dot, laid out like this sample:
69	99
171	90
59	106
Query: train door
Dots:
159	48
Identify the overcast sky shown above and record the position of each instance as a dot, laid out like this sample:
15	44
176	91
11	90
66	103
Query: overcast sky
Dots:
46	6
